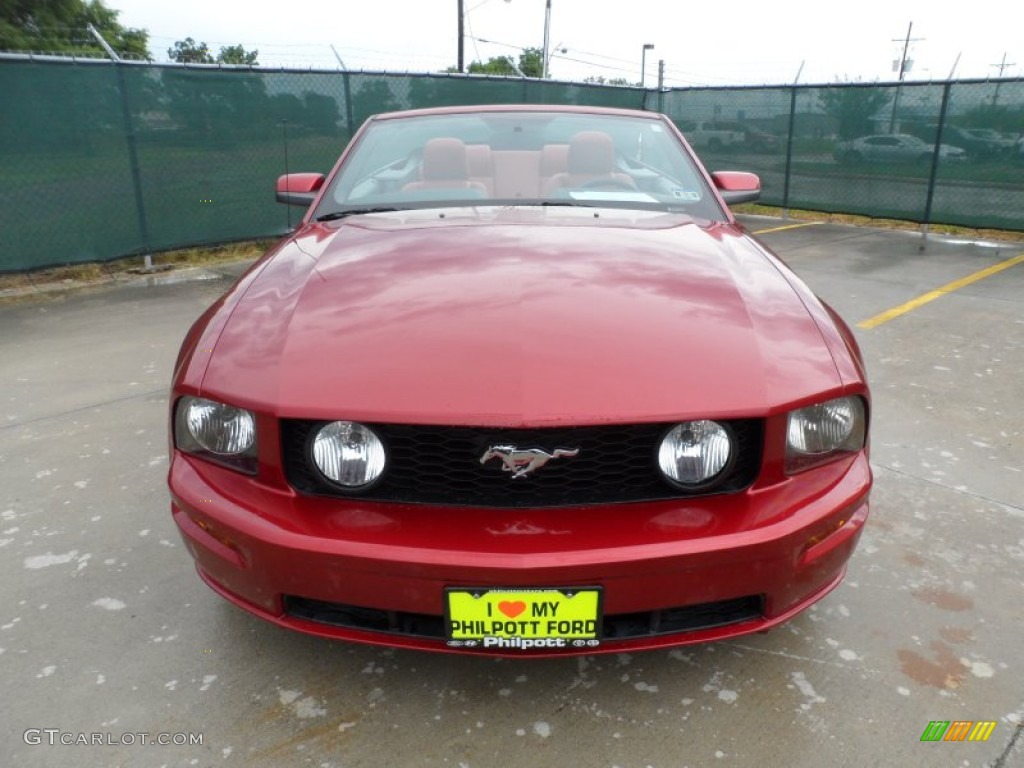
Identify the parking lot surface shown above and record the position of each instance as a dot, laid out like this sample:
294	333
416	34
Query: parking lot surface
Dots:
106	632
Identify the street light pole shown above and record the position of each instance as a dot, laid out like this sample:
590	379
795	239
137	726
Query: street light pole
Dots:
643	62
462	21
547	39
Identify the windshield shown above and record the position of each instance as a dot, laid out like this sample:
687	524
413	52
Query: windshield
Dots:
520	158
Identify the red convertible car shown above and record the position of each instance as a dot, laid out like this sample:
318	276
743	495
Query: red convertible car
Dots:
520	384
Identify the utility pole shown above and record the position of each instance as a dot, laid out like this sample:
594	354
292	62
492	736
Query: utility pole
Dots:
1002	67
547	40
906	47
661	85
462	21
903	71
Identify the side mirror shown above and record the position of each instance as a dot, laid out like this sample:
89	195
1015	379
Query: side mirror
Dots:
737	186
299	188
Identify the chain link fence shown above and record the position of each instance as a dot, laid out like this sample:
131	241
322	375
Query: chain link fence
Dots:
101	160
946	152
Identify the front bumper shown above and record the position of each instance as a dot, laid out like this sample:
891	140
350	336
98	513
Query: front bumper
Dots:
779	548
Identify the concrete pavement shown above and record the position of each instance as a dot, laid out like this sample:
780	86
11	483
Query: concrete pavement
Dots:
105	628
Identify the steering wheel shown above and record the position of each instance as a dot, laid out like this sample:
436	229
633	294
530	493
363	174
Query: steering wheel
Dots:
609	182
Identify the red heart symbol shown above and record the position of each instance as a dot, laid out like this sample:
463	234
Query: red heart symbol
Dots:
511	609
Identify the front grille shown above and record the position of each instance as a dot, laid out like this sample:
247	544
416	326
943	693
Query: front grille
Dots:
441	465
367	619
624	626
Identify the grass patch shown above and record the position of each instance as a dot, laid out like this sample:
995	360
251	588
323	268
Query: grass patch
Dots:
56	280
1003	173
194	257
756	209
60	279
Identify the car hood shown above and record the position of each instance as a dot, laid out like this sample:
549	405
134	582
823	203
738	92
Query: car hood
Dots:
520	317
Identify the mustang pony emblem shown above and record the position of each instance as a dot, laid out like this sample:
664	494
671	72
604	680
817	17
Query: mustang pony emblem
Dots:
522	462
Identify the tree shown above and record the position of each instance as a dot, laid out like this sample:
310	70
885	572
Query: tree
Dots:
853	106
188	51
321	113
437	92
236	54
497	65
61	26
994	116
531	62
372	96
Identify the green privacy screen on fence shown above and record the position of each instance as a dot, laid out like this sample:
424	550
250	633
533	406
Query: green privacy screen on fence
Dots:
832	148
100	161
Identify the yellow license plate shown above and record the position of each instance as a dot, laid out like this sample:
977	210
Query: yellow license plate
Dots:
523	618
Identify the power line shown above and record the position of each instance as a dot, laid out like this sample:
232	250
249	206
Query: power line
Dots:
1003	65
675	75
906	46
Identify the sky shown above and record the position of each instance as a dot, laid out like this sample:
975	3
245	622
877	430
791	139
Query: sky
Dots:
740	42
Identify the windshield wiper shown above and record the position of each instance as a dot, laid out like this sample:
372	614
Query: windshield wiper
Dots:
355	212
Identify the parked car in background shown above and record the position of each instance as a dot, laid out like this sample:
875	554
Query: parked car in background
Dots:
520	383
754	139
894	148
710	135
980	143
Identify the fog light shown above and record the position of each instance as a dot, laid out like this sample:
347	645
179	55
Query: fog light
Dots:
695	452
348	454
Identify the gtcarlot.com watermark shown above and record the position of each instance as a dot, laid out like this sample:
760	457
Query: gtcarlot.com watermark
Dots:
55	736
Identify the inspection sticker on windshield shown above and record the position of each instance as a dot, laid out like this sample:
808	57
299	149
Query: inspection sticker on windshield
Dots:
523	618
686	194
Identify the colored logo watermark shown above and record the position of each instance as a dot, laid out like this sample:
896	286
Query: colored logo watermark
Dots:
958	730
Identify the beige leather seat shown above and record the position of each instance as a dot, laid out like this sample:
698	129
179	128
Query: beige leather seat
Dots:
591	161
445	166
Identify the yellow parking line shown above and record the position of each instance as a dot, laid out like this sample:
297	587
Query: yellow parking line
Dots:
788	226
920	301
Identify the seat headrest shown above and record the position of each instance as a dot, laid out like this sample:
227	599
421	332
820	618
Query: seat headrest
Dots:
591	152
444	160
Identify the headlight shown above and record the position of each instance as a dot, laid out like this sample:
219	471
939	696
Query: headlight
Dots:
216	431
348	454
822	432
695	452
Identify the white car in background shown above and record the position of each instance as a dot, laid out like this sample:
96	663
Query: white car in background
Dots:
894	148
708	135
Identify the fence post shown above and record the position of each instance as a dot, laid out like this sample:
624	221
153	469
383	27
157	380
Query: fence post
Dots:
789	152
348	106
133	154
936	155
133	159
284	136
